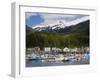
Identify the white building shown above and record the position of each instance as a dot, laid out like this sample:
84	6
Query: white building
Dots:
47	49
56	49
66	49
74	50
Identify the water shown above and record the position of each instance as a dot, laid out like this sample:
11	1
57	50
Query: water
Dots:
39	62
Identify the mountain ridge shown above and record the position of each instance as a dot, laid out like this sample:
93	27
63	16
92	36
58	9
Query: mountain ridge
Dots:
81	27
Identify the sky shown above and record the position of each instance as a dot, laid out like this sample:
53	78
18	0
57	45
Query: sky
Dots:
40	19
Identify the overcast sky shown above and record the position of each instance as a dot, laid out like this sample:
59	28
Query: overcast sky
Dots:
37	19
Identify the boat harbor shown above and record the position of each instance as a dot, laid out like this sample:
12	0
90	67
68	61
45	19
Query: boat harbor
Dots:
56	56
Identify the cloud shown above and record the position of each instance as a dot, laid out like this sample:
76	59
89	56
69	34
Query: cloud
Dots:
68	19
74	22
29	14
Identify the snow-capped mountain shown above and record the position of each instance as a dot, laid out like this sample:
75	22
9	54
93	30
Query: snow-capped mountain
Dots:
61	28
59	25
55	26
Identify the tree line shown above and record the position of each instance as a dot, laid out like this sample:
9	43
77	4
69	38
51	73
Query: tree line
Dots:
46	39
